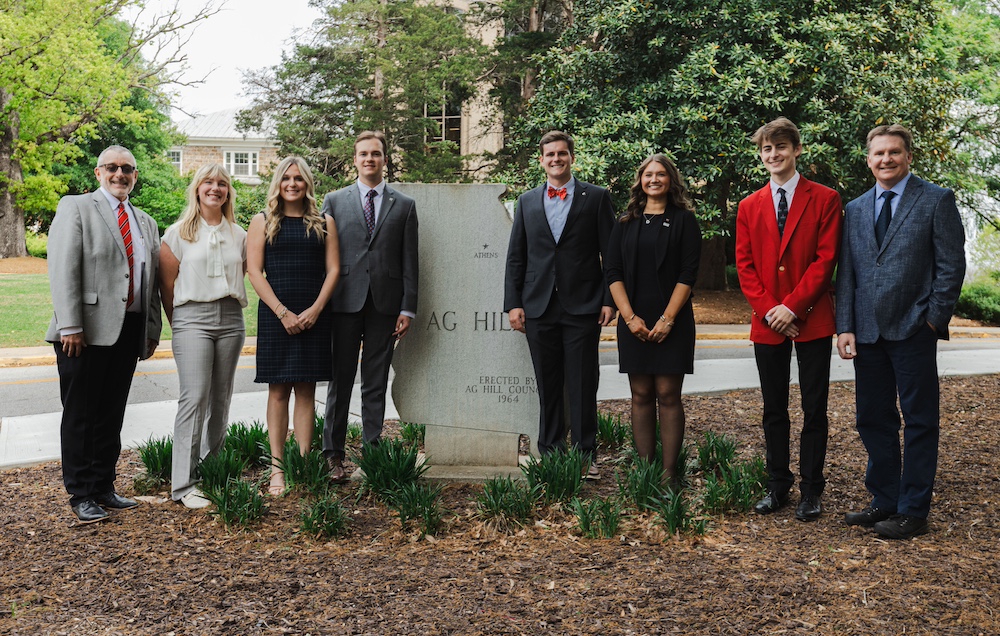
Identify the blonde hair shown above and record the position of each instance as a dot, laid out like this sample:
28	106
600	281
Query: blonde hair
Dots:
313	218
191	217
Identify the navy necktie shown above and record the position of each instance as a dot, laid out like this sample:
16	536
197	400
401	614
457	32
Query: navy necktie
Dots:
782	211
884	217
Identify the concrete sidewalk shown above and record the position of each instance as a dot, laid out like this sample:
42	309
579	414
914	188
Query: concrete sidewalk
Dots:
35	438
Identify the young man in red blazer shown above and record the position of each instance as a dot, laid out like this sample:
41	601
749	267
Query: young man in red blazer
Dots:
787	242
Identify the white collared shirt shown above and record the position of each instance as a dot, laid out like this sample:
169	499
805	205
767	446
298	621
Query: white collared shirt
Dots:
789	188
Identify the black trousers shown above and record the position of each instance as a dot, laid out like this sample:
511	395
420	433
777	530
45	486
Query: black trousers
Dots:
564	354
774	367
94	388
374	330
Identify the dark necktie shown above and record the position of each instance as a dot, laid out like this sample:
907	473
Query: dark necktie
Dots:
782	211
561	193
884	217
126	231
370	211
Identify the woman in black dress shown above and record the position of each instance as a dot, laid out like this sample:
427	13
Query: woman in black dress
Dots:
293	262
651	266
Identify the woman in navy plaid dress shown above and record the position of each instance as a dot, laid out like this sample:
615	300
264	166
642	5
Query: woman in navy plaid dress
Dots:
293	262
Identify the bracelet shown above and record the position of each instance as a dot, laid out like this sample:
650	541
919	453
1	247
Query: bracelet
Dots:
630	319
281	314
669	323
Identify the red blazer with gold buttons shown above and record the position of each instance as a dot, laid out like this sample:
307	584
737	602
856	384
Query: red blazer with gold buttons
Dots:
794	269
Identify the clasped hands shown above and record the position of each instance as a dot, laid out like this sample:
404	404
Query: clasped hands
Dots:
659	332
782	320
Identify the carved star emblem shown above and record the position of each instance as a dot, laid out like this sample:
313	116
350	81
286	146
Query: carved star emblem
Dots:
485	246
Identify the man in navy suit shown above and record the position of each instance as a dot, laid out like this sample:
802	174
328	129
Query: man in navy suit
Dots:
902	262
376	297
555	293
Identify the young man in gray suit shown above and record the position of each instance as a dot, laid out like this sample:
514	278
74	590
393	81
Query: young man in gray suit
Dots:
902	262
103	255
555	293
376	297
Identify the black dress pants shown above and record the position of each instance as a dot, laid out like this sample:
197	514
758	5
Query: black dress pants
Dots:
94	388
774	367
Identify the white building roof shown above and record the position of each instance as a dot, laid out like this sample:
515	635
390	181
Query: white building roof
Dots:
218	125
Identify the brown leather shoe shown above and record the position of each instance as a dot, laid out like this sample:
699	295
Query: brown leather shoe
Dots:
337	473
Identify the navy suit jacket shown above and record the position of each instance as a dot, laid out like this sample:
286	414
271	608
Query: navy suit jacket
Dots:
914	278
386	263
537	265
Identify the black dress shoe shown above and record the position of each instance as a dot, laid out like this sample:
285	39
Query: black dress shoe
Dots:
902	527
116	501
867	517
809	508
87	511
771	502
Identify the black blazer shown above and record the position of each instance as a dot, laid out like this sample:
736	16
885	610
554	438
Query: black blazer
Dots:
536	265
678	252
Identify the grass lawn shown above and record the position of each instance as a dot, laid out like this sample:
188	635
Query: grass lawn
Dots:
26	309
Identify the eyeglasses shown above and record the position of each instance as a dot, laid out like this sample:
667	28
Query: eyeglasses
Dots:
113	168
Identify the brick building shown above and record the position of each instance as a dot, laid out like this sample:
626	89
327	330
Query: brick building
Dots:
213	138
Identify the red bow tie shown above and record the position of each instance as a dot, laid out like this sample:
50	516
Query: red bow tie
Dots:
561	193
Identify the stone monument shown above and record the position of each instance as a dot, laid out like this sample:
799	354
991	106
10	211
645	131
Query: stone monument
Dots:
461	370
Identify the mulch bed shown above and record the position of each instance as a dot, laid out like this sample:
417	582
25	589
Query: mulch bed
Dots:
161	569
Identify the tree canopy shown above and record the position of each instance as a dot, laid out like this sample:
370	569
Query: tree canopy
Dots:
370	65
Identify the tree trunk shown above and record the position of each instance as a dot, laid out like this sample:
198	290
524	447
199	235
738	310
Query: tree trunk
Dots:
12	242
712	269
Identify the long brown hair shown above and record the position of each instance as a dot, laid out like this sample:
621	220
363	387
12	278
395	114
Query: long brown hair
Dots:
312	217
677	195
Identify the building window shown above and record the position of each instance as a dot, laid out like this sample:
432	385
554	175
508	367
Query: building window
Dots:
174	157
241	164
449	123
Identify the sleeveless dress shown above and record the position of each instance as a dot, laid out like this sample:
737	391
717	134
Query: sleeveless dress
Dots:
675	355
295	267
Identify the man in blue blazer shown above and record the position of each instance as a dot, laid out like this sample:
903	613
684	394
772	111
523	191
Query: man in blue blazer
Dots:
103	257
376	296
902	262
555	293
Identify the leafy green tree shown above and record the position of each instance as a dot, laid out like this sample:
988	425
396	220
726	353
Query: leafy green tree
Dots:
696	78
370	65
61	78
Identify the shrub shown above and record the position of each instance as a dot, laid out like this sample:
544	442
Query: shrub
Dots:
641	484
597	518
237	503
611	433
673	513
37	244
249	441
354	432
388	466
307	472
412	433
559	474
324	517
507	504
715	451
156	456
980	301
415	501
319	422
218	469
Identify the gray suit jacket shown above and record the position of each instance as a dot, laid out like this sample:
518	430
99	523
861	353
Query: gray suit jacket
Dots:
88	271
914	278
386	264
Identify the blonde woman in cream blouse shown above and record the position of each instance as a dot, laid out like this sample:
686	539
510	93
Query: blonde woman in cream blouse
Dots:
202	264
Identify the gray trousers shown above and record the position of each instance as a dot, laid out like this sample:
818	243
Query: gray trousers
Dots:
207	341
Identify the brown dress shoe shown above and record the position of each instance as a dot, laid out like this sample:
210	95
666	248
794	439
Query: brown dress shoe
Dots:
337	473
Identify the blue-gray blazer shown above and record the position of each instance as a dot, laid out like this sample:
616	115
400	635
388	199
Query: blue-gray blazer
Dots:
914	278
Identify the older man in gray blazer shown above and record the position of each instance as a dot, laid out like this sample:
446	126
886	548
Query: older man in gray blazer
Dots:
103	254
901	268
376	297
